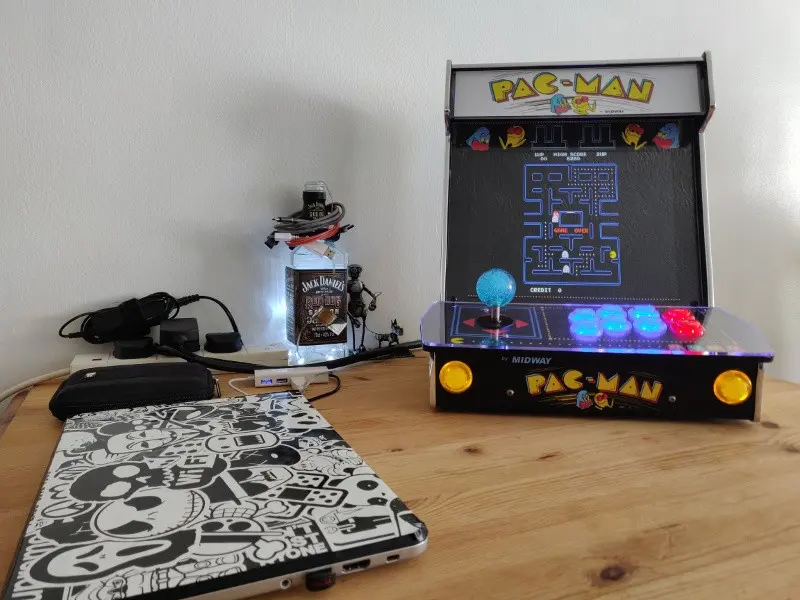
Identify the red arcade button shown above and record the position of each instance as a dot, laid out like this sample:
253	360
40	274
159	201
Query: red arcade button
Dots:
674	315
687	330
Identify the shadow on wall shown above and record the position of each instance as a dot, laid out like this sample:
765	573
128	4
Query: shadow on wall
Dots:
396	211
746	284
775	307
292	136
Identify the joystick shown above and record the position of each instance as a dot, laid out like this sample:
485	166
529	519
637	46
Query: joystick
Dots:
495	288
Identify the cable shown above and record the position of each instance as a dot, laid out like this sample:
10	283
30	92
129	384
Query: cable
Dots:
385	352
328	233
134	318
233	366
242	392
13	391
73	319
336	388
224	308
297	229
302	391
374	360
230	366
129	320
297	225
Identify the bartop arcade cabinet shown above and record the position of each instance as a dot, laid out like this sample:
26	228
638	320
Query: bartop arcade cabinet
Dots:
575	201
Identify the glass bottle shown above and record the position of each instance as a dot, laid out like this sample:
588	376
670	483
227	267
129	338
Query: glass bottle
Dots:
316	301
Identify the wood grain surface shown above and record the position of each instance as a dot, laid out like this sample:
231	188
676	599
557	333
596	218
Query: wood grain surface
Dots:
532	507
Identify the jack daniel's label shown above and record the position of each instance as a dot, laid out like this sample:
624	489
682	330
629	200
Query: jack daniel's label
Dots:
316	303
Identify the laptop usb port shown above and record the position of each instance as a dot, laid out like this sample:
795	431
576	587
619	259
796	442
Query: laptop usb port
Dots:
356	566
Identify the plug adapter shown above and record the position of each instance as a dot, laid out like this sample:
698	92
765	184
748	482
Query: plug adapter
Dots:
223	343
181	334
127	349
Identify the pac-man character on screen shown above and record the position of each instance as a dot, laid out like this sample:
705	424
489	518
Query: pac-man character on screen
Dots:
667	137
515	137
582	106
559	104
601	401
632	136
479	140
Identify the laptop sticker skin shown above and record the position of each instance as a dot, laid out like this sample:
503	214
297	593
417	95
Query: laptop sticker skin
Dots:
155	499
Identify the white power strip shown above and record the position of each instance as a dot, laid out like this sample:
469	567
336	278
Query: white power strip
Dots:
273	355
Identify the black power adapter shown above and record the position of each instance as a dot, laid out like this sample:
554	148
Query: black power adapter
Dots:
141	348
182	334
128	326
223	343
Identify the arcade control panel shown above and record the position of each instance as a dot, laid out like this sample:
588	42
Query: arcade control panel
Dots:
600	360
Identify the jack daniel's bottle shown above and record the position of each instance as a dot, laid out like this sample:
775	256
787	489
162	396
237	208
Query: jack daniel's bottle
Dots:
316	293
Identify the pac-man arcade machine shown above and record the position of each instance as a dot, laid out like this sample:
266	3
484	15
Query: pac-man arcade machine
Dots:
575	197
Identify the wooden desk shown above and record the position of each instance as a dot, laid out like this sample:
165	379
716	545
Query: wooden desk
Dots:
527	507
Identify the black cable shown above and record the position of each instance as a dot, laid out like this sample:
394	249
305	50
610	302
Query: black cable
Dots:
297	225
229	366
72	320
387	351
224	308
336	388
133	318
232	366
129	320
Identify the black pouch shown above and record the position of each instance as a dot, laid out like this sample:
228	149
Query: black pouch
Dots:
128	386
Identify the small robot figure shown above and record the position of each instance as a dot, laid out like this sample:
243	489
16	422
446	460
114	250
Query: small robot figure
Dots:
356	308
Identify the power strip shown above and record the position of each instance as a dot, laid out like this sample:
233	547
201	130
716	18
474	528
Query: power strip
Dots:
273	355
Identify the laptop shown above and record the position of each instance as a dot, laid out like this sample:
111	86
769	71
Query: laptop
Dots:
219	498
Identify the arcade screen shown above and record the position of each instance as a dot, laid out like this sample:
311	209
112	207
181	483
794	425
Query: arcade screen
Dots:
577	210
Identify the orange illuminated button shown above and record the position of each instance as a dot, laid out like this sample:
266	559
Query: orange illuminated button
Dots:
455	376
687	330
732	387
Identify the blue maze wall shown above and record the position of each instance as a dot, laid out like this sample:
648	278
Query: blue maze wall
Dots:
581	246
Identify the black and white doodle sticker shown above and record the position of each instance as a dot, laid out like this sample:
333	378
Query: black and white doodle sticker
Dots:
150	499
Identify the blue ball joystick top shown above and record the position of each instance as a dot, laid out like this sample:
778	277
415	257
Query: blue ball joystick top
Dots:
496	288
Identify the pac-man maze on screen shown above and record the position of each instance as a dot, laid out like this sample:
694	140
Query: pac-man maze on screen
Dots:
571	219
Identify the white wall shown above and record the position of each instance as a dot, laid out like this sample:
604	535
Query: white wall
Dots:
145	146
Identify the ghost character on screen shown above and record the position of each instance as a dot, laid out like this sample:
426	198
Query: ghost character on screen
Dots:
667	137
559	104
479	140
